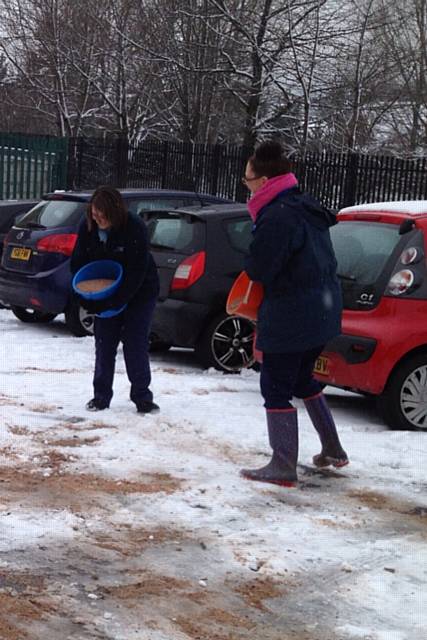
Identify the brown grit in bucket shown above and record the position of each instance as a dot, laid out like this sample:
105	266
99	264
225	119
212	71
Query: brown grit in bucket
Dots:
92	286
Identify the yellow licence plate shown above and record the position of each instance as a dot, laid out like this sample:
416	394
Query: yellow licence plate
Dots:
321	366
19	253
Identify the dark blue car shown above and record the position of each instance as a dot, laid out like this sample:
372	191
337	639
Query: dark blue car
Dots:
35	277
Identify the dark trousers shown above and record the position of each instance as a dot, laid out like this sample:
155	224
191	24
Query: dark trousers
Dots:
132	327
288	375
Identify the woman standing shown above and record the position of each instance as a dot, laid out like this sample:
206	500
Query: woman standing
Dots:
111	233
292	256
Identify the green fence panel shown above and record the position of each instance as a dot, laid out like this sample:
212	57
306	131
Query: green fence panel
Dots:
31	165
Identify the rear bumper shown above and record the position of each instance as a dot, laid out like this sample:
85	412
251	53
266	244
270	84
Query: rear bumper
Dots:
179	323
348	362
373	343
48	292
353	349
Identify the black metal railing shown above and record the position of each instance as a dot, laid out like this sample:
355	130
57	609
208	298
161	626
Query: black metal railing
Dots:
30	165
337	179
214	169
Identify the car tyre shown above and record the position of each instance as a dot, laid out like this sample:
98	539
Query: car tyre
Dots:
78	320
403	404
31	315
227	344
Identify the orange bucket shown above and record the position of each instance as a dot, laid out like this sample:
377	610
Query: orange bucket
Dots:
245	297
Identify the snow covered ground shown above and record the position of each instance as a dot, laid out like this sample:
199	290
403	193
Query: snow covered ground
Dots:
126	527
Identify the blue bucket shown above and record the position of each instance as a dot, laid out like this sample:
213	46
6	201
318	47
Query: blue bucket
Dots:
109	269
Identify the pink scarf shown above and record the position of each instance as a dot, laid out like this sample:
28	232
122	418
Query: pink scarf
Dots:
269	191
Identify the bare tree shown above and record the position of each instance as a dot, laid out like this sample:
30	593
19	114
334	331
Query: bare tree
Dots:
361	91
37	33
315	72
182	55
405	43
119	78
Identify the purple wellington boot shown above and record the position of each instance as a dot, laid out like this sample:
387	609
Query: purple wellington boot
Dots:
283	436
332	452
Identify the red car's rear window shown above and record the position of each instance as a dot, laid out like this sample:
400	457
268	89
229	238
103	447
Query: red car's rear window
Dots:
363	248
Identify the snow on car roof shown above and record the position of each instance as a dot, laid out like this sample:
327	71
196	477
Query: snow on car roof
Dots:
410	207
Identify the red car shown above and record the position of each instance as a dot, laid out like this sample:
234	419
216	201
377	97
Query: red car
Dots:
381	252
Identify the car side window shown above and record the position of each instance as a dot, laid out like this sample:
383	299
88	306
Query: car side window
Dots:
239	233
144	205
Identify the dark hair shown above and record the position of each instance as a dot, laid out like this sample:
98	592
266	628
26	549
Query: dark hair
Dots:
110	202
269	160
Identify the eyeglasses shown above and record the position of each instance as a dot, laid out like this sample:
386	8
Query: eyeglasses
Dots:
246	180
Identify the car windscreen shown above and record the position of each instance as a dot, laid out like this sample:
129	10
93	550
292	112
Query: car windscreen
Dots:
362	249
175	232
53	213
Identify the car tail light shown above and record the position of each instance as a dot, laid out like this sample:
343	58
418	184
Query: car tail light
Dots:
58	243
401	282
189	271
410	255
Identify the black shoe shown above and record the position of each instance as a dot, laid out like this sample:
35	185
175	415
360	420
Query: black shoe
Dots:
147	407
96	405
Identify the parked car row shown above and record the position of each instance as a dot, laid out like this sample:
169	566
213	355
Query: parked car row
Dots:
199	243
35	276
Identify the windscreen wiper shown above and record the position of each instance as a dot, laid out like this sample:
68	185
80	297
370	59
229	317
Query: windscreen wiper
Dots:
155	245
35	225
344	277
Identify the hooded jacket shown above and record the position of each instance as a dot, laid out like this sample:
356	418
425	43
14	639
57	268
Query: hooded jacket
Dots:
127	245
292	256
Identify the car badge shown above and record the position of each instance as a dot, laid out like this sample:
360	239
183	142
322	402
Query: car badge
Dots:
20	235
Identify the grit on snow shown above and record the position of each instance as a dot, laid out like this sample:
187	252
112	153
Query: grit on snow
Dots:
119	526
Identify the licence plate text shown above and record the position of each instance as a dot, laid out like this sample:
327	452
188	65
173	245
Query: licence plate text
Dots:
321	366
19	253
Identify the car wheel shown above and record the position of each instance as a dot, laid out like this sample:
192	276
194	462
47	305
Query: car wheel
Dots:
32	315
403	404
78	320
227	344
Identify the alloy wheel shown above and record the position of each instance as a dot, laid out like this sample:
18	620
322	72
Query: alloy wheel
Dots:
232	344
86	320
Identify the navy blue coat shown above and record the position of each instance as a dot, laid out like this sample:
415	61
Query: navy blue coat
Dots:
292	256
127	245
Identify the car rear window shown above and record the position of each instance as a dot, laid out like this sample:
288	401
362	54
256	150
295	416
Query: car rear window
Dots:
176	233
362	249
142	205
53	213
239	233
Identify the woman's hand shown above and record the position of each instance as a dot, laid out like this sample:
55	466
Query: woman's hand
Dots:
93	306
